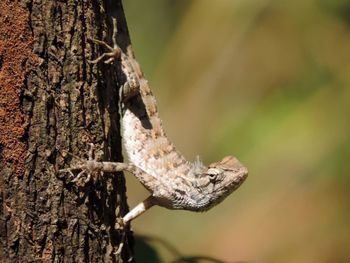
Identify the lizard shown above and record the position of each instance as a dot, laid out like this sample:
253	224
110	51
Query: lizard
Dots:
173	182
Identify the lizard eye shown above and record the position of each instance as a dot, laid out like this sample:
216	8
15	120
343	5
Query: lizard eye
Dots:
212	173
212	176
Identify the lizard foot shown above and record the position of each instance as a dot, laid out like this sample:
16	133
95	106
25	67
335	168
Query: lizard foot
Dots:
108	57
114	52
120	226
86	167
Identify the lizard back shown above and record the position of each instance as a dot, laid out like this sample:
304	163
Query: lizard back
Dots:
146	143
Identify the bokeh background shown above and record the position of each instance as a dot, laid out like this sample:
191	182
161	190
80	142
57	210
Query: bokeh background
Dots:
267	81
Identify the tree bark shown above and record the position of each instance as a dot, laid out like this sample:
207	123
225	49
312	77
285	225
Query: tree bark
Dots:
52	101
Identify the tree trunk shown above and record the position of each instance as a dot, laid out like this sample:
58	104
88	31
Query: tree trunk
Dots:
52	101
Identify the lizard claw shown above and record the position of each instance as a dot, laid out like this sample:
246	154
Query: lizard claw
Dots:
86	167
101	43
120	226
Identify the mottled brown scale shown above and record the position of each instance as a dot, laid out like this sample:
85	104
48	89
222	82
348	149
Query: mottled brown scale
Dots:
172	181
157	156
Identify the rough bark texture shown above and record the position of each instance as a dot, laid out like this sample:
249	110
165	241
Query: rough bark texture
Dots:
51	99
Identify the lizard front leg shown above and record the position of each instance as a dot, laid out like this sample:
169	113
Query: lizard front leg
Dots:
139	209
91	166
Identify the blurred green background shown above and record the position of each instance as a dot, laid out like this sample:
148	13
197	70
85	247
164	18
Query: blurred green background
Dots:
267	81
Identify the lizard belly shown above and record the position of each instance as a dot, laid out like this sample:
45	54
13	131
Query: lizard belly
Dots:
148	147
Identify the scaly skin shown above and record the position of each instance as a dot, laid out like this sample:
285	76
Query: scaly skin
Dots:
173	182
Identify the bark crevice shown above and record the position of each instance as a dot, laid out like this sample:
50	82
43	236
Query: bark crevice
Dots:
56	103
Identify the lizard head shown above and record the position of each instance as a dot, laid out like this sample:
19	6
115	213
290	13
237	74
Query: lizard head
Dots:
219	180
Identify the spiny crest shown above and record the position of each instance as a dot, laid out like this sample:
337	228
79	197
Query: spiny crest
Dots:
197	167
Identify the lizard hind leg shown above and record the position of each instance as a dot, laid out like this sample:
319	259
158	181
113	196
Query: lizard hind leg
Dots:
114	52
108	57
131	87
